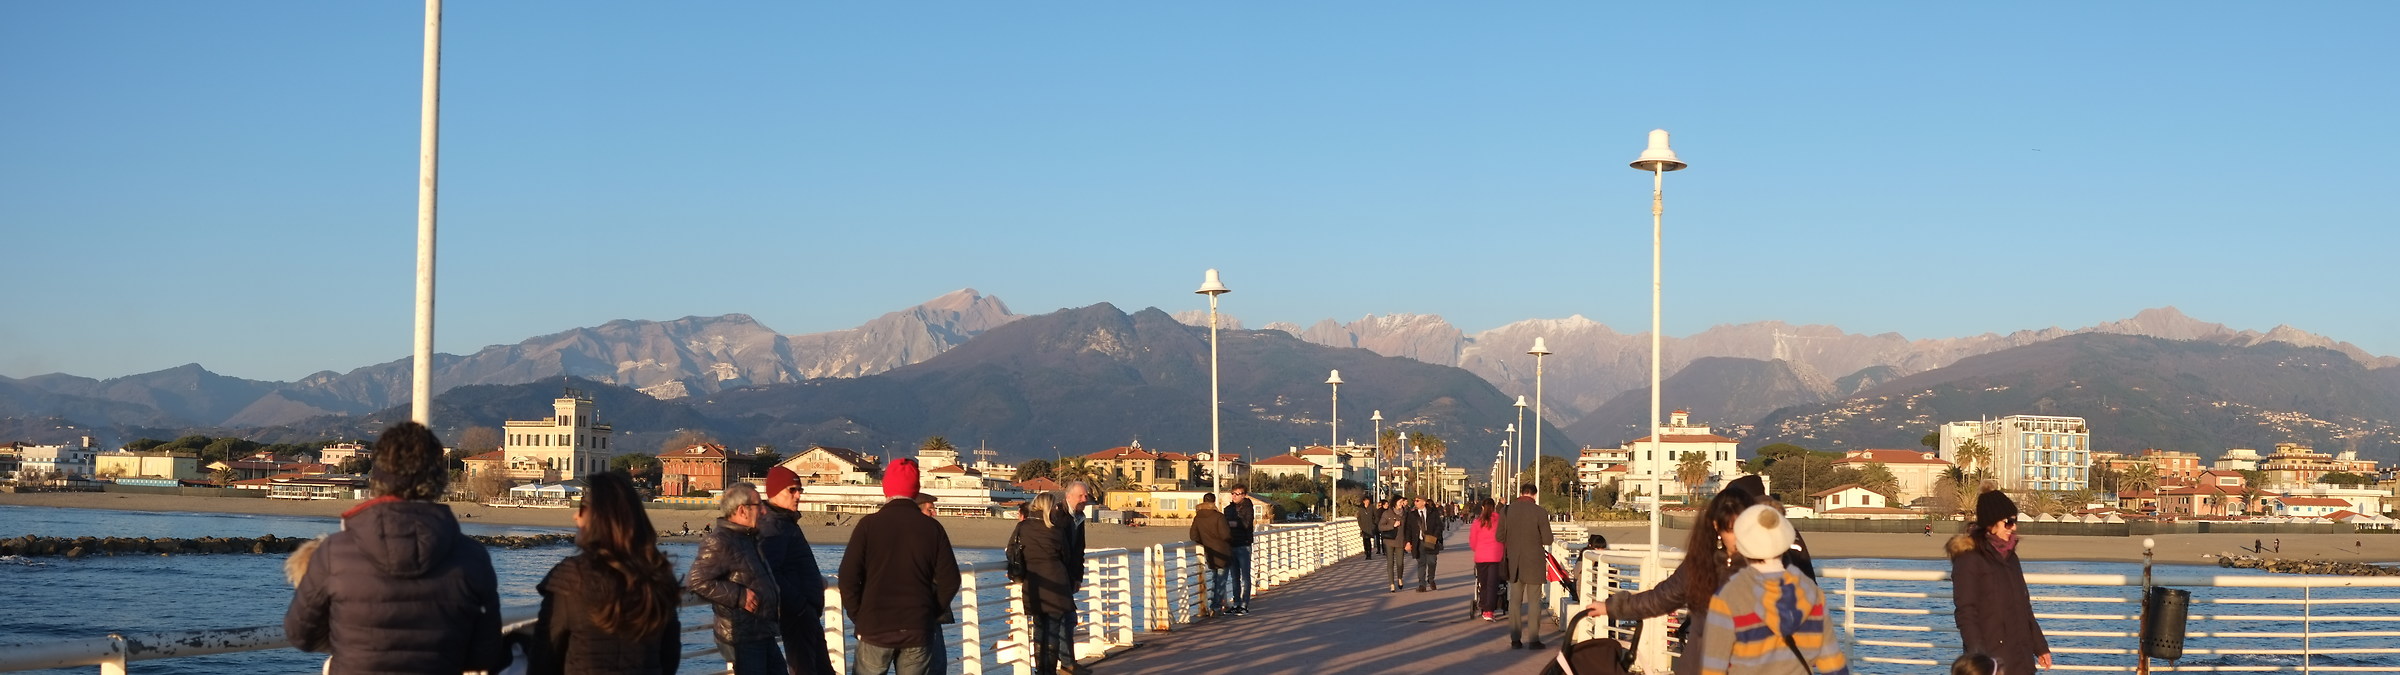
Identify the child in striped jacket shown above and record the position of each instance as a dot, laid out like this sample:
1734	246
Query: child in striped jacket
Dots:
1768	620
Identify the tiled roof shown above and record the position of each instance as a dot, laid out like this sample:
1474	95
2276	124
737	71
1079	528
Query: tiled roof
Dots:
1317	450
1686	438
701	451
1040	485
1123	453
1891	457
493	456
1839	488
2314	501
1284	460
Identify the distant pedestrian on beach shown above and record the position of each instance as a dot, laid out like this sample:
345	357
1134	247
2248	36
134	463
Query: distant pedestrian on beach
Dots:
1049	600
1395	548
1524	532
610	608
785	547
399	560
1368	513
898	577
1242	517
733	576
1430	525
1768	616
1483	536
2278	544
1995	610
2258	546
1929	528
1215	538
1708	560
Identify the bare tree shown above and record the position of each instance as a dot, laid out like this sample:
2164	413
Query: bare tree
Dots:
479	440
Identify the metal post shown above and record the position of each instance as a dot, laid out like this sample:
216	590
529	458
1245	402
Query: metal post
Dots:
2141	635
970	626
1537	429
428	145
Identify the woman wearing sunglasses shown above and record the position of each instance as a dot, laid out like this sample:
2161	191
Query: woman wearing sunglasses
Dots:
1995	611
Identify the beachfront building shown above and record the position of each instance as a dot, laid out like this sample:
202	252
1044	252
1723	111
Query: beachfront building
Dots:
2181	468
337	453
2290	506
1680	437
1917	470
2362	500
1856	501
2028	452
73	462
1159	470
2237	459
571	442
1593	466
325	486
512	470
2208	499
2295	466
824	465
148	464
704	467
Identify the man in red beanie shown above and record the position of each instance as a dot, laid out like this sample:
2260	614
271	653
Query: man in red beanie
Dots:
786	550
899	582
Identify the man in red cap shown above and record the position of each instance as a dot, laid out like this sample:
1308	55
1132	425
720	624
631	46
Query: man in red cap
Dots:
786	550
898	582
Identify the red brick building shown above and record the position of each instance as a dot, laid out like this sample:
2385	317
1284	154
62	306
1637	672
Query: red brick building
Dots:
701	467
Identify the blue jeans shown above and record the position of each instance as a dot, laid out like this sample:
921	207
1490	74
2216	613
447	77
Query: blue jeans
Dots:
1053	641
1216	590
754	658
1240	571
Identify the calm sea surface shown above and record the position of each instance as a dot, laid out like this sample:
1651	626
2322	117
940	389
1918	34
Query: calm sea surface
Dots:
59	598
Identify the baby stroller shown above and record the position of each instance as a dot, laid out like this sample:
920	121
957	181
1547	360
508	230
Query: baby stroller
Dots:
1601	655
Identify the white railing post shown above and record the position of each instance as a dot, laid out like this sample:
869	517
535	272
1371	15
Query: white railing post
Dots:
1850	606
835	650
970	625
1161	612
113	663
1016	650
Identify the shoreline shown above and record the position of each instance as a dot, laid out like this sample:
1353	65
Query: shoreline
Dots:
2173	549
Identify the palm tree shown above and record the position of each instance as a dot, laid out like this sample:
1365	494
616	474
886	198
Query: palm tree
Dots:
2039	501
936	443
1073	469
1878	478
1973	457
2140	478
1693	471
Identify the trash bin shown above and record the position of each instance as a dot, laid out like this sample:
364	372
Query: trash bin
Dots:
2162	636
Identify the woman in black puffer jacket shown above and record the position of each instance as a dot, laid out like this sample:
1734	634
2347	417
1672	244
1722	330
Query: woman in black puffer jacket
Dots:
611	608
399	589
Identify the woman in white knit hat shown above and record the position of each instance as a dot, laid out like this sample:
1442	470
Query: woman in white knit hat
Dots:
1768	619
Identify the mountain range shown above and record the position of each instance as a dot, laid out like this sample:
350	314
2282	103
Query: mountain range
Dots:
1762	380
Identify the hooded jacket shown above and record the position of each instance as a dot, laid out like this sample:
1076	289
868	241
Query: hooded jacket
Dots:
729	564
1214	536
399	590
1995	610
574	641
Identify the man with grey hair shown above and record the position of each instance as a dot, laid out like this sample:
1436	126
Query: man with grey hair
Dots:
1078	493
736	581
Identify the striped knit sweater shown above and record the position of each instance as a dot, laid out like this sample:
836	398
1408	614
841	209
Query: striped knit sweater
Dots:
1751	614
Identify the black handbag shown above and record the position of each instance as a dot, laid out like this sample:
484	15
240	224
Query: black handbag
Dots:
1016	558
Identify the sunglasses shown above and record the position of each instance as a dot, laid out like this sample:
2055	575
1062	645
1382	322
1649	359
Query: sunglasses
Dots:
2012	522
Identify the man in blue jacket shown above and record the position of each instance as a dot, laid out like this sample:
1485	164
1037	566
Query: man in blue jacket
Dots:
1241	516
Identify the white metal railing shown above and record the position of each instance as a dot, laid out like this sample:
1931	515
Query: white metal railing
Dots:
2237	622
1123	593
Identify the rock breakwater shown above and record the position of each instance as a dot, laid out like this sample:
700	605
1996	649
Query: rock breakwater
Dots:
2285	566
77	547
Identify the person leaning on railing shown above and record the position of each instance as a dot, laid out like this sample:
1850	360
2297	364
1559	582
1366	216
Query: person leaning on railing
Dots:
1707	563
399	589
730	574
786	550
1995	610
1768	619
898	577
611	608
1041	543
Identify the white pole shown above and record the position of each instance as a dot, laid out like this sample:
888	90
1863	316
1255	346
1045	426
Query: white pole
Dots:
1334	486
1657	444
428	145
1537	429
1216	425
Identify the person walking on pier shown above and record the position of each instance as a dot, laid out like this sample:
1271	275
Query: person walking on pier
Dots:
398	562
1049	601
1768	618
1368	514
1483	536
1395	548
1242	518
1995	610
1524	533
787	552
1708	560
898	578
1215	538
735	579
611	608
1430	526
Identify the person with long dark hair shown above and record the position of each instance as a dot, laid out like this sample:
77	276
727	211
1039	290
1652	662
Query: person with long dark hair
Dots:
1706	565
610	608
1483	536
1995	610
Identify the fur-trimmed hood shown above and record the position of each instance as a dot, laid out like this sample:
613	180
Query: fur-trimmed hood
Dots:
1959	545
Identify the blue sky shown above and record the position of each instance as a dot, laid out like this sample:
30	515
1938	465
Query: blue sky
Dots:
234	183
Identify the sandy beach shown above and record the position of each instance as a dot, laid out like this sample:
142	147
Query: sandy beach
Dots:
2187	549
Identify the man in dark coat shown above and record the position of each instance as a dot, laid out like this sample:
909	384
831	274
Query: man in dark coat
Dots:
740	586
1242	517
785	548
1524	535
1430	524
399	589
1215	538
1367	513
898	578
1995	610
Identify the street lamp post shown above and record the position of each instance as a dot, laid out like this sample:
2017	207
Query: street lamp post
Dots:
1516	462
1376	457
1538	351
1336	445
1212	287
1510	474
1658	159
1406	460
429	145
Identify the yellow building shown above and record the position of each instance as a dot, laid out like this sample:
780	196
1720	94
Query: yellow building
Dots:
174	465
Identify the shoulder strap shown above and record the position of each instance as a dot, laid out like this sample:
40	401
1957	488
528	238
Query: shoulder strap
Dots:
1805	665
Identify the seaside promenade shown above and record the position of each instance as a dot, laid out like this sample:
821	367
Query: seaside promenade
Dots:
1342	620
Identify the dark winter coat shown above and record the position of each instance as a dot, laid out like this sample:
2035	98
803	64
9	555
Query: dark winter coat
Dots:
1243	519
1995	610
1524	535
1075	548
787	552
898	576
1431	524
1214	536
728	564
1047	591
399	590
574	643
